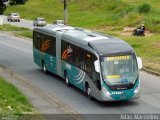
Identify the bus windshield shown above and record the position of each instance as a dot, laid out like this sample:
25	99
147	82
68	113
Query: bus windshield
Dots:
119	70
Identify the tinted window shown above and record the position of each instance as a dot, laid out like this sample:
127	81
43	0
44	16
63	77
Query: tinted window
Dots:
67	51
35	39
82	59
78	56
89	61
48	45
44	43
39	39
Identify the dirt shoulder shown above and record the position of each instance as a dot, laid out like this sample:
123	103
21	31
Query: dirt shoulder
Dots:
127	31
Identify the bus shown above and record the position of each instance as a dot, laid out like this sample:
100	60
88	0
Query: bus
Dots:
104	67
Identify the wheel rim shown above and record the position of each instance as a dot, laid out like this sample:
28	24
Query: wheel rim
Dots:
88	91
44	68
67	80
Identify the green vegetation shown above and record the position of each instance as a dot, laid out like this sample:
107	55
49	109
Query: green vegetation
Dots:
148	48
12	101
95	13
28	34
6	27
144	8
17	30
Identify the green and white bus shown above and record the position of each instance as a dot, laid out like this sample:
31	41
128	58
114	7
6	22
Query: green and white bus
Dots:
102	66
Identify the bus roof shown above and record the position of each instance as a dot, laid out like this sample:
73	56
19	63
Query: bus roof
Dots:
104	45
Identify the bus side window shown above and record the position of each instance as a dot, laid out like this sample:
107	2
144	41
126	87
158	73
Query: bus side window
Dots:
89	61
39	40
81	62
75	55
49	44
53	46
69	56
35	44
63	47
67	51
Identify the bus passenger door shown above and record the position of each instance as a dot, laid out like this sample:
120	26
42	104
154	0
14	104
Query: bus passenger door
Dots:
58	53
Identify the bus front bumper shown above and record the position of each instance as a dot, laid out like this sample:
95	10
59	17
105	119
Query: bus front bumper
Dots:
122	95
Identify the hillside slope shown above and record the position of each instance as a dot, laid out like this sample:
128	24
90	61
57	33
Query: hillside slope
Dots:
94	13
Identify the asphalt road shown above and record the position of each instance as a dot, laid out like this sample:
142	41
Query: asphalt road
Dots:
16	54
22	23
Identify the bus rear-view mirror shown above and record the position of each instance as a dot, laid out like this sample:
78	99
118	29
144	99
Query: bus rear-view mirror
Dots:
96	66
139	62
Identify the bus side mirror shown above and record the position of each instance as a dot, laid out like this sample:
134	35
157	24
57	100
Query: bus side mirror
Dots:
139	62
96	66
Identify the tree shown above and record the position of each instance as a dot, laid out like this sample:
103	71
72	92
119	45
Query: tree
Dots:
17	2
2	7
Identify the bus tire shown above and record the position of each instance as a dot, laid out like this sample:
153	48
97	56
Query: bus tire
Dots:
67	80
44	67
88	92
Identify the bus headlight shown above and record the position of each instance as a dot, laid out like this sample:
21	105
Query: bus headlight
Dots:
136	90
106	92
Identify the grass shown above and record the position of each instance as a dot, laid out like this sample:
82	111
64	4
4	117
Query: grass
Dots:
28	34
17	30
12	101
6	27
148	48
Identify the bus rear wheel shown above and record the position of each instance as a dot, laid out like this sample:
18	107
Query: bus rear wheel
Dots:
67	80
44	68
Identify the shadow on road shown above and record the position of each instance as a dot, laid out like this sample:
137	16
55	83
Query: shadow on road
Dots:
117	103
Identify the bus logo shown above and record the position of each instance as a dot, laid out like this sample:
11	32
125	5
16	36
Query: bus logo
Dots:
45	45
80	77
67	53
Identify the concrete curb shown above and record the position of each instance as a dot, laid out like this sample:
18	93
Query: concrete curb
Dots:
151	72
